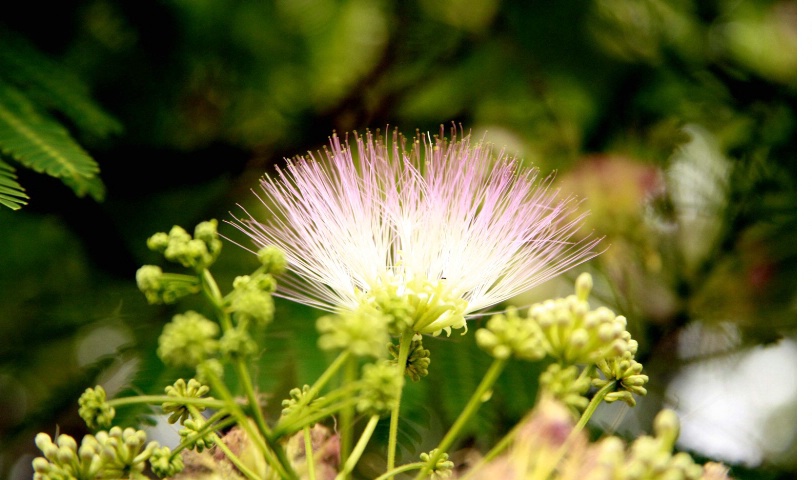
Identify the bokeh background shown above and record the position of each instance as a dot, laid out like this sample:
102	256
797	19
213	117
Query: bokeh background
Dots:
674	120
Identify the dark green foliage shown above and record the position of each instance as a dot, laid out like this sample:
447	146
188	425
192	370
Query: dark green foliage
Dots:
32	87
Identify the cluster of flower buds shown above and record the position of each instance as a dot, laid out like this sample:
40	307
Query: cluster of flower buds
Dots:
508	335
652	458
189	339
442	468
417	362
94	409
566	385
626	372
575	334
109	454
179	411
165	288
537	453
419	304
180	247
380	386
363	332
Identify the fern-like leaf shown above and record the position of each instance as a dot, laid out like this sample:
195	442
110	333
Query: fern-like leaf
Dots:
51	86
42	144
12	194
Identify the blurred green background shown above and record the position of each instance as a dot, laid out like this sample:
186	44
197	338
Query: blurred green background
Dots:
675	120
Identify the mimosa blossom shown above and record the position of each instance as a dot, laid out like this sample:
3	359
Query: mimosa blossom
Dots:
428	234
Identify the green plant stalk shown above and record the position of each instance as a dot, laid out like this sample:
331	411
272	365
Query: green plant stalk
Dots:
327	375
403	355
300	423
403	468
158	399
349	465
470	408
308	442
276	458
345	416
214	295
219	442
590	409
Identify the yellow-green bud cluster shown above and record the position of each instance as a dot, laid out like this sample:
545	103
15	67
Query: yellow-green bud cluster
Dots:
380	385
195	435
164	464
178	246
576	335
179	410
299	402
508	335
94	409
188	340
107	455
566	386
164	288
238	343
419	304
363	332
417	362
442	468
627	372
652	458
251	300
273	260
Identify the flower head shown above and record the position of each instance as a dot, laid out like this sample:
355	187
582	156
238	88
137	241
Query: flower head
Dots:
427	234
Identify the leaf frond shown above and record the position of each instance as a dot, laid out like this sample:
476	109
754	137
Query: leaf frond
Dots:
12	194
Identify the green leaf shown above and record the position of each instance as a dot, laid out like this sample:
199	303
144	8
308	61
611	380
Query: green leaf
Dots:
43	145
51	86
12	194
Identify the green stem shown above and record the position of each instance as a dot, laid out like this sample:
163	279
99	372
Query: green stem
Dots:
403	355
327	375
236	460
545	473
345	416
403	468
253	401
278	462
593	405
470	408
359	448
158	399
308	442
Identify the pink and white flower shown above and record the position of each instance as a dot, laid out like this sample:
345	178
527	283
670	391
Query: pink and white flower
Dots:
439	229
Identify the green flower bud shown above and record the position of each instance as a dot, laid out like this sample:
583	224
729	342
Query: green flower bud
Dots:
666	428
510	335
626	372
422	305
251	300
158	242
362	331
583	285
417	362
194	431
298	404
94	409
574	334
179	411
565	385
273	260
442	468
236	344
178	246
209	370
164	288
164	464
124	452
188	340
380	384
